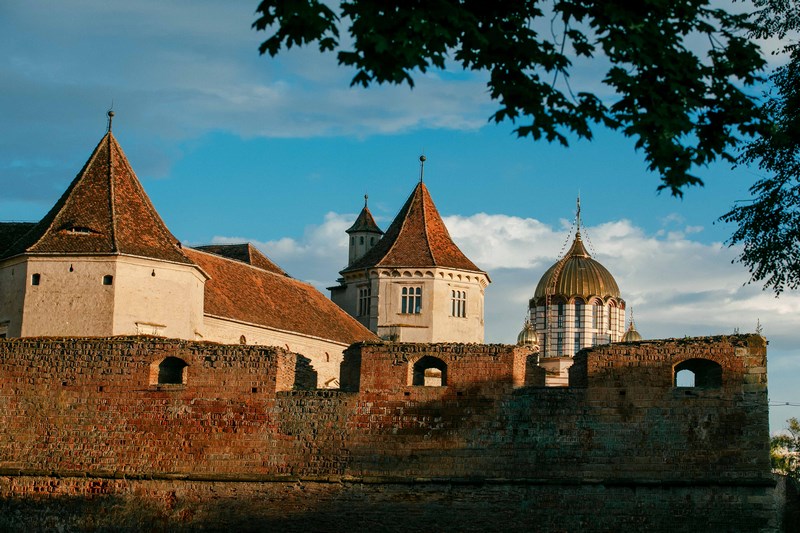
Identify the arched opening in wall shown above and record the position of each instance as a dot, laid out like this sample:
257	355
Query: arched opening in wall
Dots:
699	373
429	372
170	371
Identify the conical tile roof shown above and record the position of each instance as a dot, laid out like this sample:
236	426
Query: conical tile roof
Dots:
417	238
104	211
365	222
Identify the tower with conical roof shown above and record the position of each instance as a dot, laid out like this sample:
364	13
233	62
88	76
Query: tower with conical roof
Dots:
364	233
576	304
414	284
101	262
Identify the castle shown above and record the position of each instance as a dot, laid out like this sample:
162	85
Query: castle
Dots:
145	384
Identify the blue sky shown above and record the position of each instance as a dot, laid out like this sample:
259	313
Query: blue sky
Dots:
232	146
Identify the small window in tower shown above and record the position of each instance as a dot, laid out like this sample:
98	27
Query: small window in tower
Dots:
458	304
361	240
36	279
560	323
108	280
363	301
371	241
411	300
242	339
578	314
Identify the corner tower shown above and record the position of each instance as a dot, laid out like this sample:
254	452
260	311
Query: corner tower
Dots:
101	262
415	284
577	304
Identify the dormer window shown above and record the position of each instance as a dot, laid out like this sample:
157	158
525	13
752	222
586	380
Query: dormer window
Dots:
79	230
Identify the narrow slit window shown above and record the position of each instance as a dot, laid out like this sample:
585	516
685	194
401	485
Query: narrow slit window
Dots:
36	279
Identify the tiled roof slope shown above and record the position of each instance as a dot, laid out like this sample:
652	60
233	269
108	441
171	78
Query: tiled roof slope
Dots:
11	231
417	238
242	292
246	253
364	222
104	211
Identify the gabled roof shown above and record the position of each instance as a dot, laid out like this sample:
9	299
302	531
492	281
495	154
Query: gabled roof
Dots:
246	253
239	291
104	211
364	222
417	238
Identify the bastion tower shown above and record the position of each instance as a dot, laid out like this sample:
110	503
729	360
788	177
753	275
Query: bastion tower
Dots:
576	304
412	284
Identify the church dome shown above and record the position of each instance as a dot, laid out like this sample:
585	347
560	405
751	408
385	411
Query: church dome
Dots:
527	337
631	335
577	275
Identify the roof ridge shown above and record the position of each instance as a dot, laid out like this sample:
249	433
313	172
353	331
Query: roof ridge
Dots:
148	204
403	223
111	188
65	196
423	190
236	261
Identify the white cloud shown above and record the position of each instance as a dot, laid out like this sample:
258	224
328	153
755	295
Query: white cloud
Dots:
677	286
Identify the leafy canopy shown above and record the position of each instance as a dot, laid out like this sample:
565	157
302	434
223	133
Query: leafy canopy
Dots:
784	451
769	224
685	108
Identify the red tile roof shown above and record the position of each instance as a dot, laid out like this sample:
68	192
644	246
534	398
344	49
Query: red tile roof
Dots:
246	253
365	222
242	292
104	211
417	238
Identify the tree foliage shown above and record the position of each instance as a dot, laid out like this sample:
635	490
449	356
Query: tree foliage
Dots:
769	224
684	108
784	451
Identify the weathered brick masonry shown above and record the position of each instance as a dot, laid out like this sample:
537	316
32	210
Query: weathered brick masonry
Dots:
85	436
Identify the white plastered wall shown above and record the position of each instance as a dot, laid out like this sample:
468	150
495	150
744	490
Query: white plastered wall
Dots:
158	297
13	278
70	299
325	355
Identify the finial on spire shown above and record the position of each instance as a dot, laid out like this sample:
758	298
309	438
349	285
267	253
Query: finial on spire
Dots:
110	117
631	323
578	213
422	160
366	197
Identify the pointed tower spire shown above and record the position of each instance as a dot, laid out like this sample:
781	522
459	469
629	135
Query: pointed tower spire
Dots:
364	234
631	335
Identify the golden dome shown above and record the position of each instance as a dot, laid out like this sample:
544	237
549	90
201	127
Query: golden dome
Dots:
577	275
631	335
527	337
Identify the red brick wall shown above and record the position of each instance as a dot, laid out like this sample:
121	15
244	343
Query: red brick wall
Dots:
85	407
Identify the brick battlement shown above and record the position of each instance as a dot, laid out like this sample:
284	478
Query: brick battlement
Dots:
90	407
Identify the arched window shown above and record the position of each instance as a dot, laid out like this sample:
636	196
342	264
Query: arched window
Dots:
172	371
429	372
700	373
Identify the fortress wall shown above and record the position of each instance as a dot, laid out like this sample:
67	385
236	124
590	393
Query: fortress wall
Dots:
86	407
84	436
92	504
